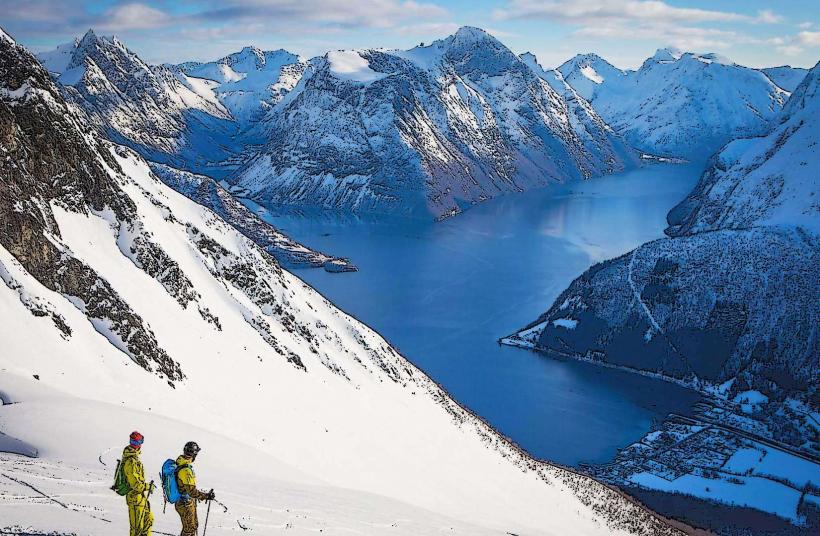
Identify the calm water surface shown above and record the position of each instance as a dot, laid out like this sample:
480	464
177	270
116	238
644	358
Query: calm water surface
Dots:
444	293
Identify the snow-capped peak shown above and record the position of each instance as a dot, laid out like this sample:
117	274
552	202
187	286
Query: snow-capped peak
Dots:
249	82
6	37
678	103
585	72
472	34
667	54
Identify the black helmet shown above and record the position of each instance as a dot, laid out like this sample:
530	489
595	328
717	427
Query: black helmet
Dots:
191	449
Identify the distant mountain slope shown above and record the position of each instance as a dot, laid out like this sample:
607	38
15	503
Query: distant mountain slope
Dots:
249	82
592	131
786	77
166	117
766	181
207	192
679	104
586	72
729	304
128	304
430	130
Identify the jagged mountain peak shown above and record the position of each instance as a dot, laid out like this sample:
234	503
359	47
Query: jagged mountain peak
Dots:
251	81
427	131
529	56
589	58
678	104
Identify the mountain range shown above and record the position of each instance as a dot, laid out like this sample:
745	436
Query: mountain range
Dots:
424	132
681	104
126	304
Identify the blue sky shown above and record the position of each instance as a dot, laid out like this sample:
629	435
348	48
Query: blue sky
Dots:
751	32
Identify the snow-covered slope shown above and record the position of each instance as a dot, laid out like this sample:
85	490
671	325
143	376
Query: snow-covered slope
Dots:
786	76
209	193
586	72
430	130
125	305
592	131
770	180
157	110
680	104
729	303
251	81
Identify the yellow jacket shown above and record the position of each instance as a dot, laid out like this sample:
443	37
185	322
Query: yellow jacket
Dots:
134	474
186	479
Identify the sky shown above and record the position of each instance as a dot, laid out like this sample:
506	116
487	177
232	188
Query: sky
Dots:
756	33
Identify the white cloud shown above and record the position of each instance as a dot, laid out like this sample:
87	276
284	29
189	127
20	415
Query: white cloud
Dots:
805	25
811	39
684	37
589	11
361	13
789	50
133	17
767	16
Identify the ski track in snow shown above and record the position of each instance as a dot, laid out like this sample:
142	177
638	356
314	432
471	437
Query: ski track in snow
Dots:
638	295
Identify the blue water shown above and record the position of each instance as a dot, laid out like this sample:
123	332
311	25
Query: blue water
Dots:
443	293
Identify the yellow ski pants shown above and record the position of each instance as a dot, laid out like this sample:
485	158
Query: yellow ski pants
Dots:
141	518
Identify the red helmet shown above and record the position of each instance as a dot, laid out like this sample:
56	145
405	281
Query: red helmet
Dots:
136	439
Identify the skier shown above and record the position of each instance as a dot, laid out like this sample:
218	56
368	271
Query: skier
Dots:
139	509
186	481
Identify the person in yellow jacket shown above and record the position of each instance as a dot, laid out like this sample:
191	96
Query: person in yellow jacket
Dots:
186	481
139	509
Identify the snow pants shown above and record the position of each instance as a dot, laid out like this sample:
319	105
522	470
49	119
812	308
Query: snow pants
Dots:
140	518
187	514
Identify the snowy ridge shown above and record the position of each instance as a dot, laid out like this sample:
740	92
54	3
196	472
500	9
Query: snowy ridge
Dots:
249	82
786	76
209	193
678	104
431	130
125	302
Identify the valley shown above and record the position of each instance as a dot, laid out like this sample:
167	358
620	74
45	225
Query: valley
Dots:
433	289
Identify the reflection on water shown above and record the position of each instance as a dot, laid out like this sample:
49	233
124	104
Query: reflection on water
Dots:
444	293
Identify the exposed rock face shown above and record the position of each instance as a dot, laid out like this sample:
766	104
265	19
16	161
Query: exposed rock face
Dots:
431	130
770	180
709	307
188	116
52	159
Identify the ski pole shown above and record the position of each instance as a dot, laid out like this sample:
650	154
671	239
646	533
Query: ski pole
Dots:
207	513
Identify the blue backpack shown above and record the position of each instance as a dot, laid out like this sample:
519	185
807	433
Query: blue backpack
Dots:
170	488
